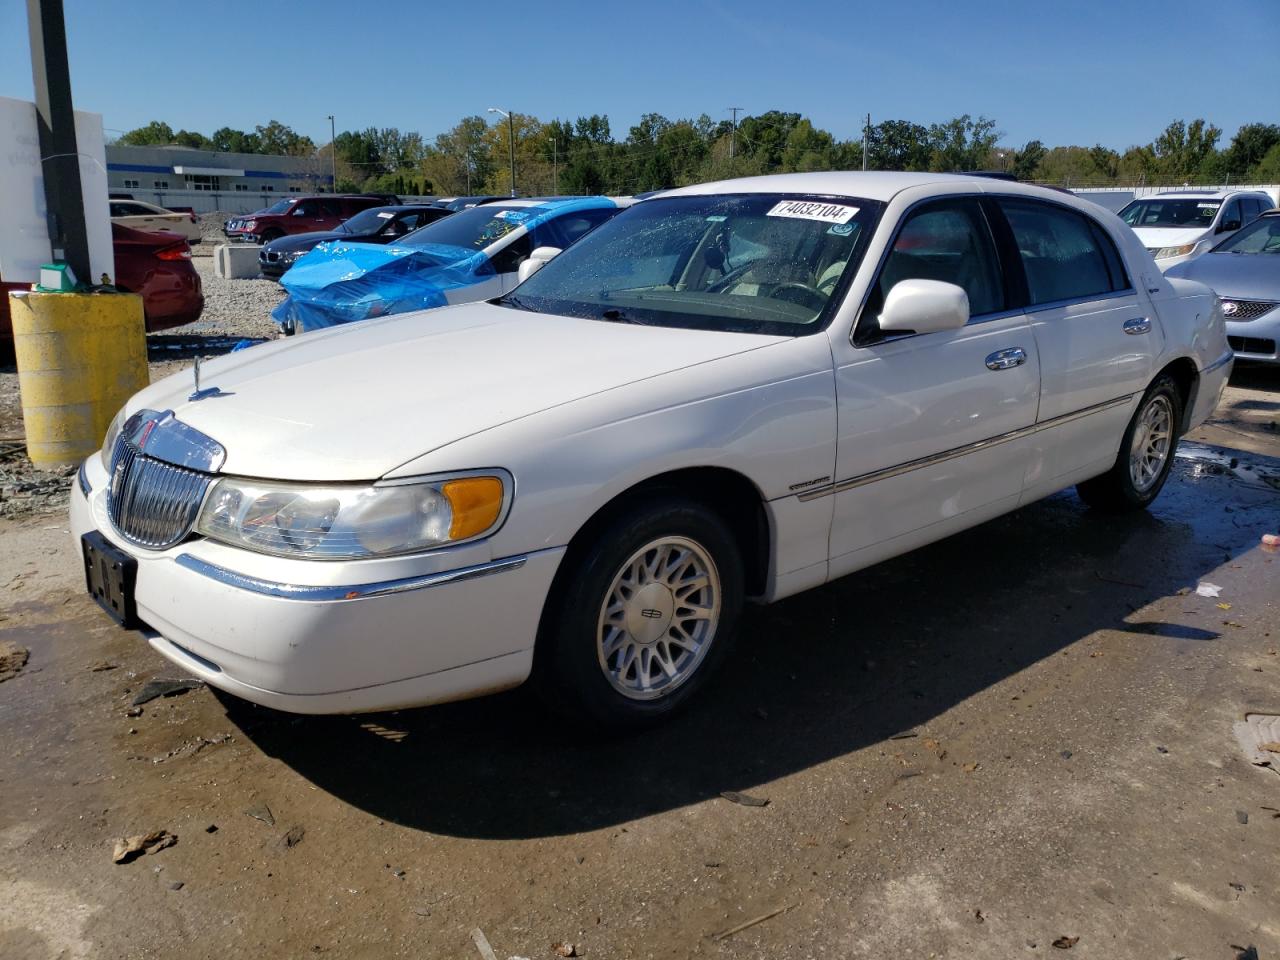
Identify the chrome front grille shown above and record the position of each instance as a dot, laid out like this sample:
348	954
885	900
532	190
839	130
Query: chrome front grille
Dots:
152	503
1240	311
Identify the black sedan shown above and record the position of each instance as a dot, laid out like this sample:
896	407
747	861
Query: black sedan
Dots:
375	225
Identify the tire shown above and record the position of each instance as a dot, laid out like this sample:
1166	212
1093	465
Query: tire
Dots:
271	235
1137	477
622	670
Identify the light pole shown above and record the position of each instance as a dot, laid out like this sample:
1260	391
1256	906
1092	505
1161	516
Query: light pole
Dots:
733	136
511	142
555	165
333	156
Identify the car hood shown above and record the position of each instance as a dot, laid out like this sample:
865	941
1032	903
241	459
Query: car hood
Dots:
348	259
1153	237
305	241
1247	276
354	402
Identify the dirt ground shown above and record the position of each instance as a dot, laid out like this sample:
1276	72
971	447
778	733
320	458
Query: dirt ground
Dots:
1017	742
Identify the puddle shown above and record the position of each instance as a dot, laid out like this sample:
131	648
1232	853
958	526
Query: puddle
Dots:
1211	462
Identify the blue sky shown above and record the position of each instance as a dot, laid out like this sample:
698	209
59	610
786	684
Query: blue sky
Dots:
1113	72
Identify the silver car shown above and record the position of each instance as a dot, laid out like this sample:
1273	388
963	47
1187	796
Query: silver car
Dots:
1244	270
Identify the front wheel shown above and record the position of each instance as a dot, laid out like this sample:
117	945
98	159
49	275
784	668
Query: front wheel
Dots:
1146	453
642	615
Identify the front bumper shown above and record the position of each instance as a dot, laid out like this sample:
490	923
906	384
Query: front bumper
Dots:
1256	339
333	637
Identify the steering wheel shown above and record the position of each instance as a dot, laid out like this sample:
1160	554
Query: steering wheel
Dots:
733	275
799	293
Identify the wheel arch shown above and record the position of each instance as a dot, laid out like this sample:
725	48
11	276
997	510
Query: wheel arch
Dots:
1186	375
730	494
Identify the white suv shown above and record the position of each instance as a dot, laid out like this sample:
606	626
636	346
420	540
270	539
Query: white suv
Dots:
1181	224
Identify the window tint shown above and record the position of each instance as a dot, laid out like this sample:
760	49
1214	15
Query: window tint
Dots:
946	240
1232	213
509	258
306	208
574	225
330	208
1065	255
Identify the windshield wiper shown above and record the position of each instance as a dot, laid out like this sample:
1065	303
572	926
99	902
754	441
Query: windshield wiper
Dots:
614	315
511	300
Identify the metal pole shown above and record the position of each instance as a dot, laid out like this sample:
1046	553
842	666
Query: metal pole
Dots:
733	136
511	142
333	155
555	165
866	132
55	120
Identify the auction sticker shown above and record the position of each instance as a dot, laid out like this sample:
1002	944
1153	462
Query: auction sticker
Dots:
811	210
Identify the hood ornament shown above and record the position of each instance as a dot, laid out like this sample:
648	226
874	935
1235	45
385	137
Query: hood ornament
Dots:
207	391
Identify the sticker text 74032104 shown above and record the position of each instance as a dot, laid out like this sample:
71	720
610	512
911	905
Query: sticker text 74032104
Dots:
813	210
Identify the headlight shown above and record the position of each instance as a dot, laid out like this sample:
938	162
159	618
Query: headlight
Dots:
248	225
341	522
1165	252
109	443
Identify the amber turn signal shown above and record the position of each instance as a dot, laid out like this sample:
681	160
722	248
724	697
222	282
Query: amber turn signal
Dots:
476	503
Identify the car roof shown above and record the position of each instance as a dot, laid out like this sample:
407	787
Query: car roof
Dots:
1198	194
553	202
869	185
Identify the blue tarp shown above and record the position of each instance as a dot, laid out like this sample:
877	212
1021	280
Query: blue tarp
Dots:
341	282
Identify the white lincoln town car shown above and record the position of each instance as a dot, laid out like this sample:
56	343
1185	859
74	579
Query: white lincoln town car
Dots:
729	393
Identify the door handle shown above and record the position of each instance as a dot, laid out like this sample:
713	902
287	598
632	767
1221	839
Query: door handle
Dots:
1006	359
1137	325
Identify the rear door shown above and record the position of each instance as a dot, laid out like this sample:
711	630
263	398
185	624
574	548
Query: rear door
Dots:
1097	336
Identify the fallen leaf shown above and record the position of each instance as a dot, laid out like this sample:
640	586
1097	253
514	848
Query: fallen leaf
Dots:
1066	943
1224	606
970	767
130	848
745	799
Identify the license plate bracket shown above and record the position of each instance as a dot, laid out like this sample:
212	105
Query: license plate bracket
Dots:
110	576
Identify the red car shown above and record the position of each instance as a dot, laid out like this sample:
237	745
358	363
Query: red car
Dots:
301	215
156	265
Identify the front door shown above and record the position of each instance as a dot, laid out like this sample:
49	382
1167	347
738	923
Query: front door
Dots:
933	428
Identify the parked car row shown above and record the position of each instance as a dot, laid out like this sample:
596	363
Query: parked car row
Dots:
373	225
301	214
731	391
471	255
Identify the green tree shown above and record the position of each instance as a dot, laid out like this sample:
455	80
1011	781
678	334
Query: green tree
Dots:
155	133
189	138
235	141
1183	148
962	143
1248	147
280	140
1267	170
1026	162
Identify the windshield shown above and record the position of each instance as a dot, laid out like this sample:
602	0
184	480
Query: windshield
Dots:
472	229
367	221
280	206
1154	212
1261	236
758	263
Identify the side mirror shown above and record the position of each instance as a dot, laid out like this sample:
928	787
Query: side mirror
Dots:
924	306
535	262
1228	225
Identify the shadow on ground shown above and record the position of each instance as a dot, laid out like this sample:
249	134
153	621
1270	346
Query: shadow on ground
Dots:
814	678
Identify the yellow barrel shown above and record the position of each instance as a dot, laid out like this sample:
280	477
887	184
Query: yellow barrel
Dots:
80	357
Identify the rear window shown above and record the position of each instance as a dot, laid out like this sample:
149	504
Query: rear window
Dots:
1065	255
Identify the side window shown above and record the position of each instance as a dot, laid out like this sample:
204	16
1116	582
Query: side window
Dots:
509	258
1230	214
945	240
119	209
1064	254
330	208
304	208
575	225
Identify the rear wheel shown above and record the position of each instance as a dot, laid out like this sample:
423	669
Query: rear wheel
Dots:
1146	453
642	615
